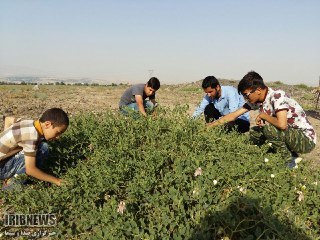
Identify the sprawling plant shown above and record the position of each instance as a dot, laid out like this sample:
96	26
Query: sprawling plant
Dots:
168	177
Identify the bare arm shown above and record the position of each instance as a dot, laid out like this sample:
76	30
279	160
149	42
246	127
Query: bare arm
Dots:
139	102
33	171
229	117
280	121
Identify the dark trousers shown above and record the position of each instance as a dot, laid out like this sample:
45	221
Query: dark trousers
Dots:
211	114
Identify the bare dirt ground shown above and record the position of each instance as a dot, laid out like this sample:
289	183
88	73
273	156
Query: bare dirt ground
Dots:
26	102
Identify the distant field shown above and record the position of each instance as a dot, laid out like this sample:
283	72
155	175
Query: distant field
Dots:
24	101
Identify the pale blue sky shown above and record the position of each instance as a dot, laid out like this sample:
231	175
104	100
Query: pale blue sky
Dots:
181	40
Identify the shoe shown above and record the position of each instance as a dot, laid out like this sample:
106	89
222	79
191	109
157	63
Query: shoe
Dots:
13	183
8	184
294	162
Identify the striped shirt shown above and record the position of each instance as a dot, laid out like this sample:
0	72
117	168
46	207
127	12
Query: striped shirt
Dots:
21	135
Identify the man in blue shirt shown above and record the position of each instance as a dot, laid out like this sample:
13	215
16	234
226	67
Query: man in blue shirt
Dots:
220	101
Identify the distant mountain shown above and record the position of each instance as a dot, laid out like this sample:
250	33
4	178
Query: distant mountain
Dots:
44	80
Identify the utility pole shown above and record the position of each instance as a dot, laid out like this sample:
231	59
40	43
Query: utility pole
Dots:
318	93
151	74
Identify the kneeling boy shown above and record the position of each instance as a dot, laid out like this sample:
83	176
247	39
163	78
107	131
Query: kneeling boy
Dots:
22	148
135	97
288	131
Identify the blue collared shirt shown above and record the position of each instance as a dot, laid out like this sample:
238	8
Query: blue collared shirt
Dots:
229	102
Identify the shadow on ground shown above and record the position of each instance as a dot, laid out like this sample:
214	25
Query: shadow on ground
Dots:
64	154
245	219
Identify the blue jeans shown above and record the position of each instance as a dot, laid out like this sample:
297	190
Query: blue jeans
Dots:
16	164
148	106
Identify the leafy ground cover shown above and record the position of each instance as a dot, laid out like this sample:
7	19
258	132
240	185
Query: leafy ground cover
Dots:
169	178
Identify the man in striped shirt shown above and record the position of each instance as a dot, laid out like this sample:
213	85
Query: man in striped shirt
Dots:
22	148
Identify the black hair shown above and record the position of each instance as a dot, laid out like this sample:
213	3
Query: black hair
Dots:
154	83
251	80
56	116
210	81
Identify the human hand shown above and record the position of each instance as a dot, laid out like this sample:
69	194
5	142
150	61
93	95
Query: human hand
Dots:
60	182
209	124
260	120
213	124
154	115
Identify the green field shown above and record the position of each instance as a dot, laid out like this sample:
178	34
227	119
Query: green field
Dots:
177	180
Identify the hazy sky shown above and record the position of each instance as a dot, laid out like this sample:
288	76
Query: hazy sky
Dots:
180	40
